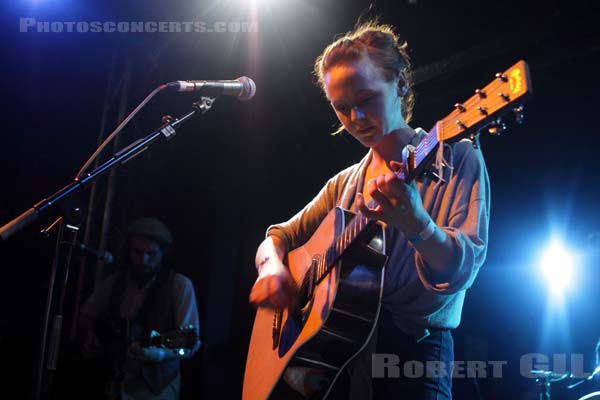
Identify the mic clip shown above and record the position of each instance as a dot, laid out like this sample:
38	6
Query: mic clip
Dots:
204	104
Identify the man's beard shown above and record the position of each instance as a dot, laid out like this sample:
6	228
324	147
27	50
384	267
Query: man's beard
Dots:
143	273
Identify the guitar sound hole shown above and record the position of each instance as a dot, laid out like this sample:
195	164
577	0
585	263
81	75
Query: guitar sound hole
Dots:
305	297
302	308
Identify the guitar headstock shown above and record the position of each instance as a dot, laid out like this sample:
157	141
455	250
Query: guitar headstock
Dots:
485	109
505	94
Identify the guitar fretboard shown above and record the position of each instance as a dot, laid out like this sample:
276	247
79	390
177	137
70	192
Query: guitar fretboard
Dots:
352	230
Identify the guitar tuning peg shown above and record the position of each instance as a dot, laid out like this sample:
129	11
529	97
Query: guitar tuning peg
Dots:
504	96
461	124
502	77
481	93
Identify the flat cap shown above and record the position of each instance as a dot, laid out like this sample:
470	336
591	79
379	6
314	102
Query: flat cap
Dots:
151	228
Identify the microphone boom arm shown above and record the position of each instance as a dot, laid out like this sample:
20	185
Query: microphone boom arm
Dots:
128	153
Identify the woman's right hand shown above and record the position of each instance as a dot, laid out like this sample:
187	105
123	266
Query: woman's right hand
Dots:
274	287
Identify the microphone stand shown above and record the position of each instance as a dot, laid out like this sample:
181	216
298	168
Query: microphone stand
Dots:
50	356
70	212
544	379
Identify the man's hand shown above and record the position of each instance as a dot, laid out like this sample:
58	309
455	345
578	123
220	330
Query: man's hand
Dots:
150	353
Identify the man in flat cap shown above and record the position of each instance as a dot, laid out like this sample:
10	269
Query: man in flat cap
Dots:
146	297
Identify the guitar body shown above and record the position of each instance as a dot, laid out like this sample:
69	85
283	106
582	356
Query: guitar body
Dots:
314	341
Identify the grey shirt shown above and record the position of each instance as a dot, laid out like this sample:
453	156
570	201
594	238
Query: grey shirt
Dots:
414	295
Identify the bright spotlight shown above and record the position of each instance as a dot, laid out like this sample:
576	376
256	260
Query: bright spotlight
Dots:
557	266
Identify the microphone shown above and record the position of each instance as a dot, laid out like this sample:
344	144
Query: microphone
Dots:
243	87
105	256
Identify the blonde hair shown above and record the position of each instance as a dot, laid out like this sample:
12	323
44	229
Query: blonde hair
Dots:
378	42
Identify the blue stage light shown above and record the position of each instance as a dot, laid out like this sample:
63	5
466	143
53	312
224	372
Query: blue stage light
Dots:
557	266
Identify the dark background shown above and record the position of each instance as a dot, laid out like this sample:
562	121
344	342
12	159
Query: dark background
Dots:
229	174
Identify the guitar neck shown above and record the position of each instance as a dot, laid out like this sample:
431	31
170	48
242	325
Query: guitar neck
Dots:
183	338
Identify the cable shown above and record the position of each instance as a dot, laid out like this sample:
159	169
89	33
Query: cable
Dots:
116	131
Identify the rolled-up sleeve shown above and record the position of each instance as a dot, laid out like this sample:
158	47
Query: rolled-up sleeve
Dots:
298	229
463	214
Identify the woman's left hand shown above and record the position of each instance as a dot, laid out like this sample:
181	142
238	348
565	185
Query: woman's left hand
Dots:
398	203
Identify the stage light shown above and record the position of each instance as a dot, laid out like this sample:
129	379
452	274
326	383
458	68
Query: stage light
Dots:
557	265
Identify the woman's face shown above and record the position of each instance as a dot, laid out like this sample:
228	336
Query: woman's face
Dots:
366	104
